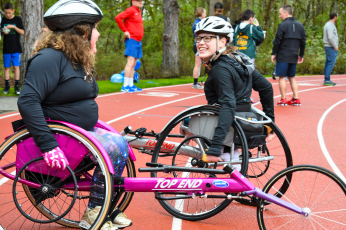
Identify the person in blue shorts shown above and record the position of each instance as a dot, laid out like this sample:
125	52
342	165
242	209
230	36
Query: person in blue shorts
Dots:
133	31
12	27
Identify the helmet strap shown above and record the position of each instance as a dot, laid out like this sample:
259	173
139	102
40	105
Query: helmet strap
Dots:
217	49
91	31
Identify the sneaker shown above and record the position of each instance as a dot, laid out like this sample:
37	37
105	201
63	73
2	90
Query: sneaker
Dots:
329	83
89	218
197	86
283	102
121	220
274	78
127	89
136	89
295	102
6	89
16	89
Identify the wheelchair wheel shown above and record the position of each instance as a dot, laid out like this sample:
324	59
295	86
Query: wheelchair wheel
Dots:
317	190
49	192
26	195
198	208
259	172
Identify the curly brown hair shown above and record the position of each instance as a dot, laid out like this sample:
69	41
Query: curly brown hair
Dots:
75	47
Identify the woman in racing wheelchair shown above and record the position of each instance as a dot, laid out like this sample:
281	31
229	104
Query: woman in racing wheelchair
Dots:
59	85
230	81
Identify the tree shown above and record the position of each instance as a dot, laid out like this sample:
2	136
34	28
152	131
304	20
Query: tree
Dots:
170	39
232	9
31	12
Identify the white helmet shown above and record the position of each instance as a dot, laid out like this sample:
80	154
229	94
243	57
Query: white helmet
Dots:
67	13
215	25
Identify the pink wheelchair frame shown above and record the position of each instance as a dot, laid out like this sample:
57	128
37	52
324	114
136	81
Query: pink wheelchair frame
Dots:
236	183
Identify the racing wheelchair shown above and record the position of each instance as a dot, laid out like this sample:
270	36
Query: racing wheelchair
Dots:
183	140
33	195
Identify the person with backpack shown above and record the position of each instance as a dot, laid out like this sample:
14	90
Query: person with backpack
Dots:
231	78
248	34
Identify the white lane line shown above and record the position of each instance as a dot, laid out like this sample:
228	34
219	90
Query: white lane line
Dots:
11	115
152	107
3	180
111	94
152	88
179	204
323	145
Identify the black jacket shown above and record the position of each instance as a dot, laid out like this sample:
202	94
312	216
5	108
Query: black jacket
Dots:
229	85
53	88
290	40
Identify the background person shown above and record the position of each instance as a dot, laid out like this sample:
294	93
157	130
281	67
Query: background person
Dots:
200	14
12	28
59	84
248	34
331	46
290	40
218	8
133	31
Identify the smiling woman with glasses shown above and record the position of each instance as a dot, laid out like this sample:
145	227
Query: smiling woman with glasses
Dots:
198	39
230	81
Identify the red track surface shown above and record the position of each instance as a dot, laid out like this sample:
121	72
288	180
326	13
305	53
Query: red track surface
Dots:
299	125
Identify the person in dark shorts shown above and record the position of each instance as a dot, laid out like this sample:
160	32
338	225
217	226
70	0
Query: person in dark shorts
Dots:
200	14
290	40
12	27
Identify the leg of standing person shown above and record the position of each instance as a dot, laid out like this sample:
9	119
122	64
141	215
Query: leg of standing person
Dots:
331	55
196	73
294	85
196	69
128	74
281	72
7	66
16	65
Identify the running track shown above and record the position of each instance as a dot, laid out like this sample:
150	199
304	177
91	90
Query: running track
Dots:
315	132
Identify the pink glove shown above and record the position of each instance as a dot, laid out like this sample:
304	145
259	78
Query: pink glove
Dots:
56	158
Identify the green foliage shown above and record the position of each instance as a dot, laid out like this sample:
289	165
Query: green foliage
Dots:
110	57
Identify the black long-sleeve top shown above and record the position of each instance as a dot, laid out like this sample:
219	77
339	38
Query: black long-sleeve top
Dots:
53	88
290	41
228	85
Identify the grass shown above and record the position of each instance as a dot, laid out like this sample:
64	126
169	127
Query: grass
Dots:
109	87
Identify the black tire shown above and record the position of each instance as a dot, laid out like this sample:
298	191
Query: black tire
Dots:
260	172
13	218
50	190
313	188
219	204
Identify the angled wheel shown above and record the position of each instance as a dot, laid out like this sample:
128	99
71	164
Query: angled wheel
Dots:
318	191
259	172
10	216
190	146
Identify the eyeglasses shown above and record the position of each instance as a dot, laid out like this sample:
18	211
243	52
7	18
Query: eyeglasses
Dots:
205	38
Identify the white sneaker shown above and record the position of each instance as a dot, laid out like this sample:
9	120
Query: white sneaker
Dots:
227	157
89	218
121	220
